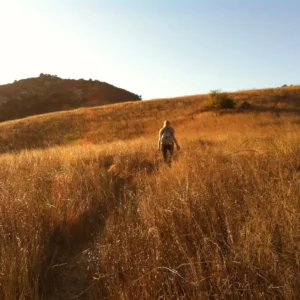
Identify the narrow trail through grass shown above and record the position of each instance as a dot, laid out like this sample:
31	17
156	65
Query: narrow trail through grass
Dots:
102	217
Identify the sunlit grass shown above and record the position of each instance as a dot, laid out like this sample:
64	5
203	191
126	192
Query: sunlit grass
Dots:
103	217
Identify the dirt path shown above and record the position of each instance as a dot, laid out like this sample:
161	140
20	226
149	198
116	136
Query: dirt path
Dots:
69	273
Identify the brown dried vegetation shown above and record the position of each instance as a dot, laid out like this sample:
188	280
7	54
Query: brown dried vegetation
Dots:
49	93
100	216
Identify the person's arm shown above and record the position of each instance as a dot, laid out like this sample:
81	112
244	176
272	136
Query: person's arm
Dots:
159	140
175	140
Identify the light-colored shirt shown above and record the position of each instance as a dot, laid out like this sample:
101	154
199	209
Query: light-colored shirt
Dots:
161	131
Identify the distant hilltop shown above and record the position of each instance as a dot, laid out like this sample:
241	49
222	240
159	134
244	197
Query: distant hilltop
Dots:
49	93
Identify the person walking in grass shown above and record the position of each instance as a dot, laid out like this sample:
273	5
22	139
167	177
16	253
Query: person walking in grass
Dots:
166	140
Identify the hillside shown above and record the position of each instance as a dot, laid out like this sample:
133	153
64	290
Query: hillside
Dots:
89	210
48	93
125	121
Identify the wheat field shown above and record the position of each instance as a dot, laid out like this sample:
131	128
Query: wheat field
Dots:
101	217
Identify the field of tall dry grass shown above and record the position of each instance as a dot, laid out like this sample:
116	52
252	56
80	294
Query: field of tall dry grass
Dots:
108	220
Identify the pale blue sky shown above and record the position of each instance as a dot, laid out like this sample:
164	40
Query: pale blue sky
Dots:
154	48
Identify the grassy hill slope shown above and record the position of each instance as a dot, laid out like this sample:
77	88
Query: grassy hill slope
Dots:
133	119
48	93
92	212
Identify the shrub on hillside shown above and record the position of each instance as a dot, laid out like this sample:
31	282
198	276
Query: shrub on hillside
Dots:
244	105
218	100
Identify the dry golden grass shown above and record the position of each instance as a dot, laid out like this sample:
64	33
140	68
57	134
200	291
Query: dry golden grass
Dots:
131	120
106	220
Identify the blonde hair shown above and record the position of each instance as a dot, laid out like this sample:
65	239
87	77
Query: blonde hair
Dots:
166	123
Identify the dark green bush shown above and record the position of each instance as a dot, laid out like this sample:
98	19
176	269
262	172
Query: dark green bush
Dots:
219	100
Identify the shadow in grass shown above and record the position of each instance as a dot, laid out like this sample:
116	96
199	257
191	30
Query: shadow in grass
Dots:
68	254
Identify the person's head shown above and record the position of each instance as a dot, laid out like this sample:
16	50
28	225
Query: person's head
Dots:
166	123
